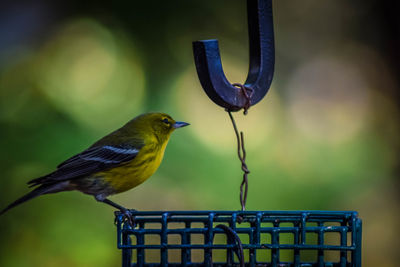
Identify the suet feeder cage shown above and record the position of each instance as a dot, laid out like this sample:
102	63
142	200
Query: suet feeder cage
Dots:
268	238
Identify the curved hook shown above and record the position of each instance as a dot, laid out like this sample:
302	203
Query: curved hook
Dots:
262	59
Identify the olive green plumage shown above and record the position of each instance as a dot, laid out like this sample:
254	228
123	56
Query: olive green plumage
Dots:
116	163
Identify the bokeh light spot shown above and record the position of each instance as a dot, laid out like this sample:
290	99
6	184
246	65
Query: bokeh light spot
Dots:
328	99
92	74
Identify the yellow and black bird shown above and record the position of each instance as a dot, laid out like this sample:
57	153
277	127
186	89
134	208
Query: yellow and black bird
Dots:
116	163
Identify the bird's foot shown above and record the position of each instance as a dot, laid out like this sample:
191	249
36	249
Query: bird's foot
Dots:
127	217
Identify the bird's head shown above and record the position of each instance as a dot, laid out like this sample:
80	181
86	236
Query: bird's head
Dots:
159	124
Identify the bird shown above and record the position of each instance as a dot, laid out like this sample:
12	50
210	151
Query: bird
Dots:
114	164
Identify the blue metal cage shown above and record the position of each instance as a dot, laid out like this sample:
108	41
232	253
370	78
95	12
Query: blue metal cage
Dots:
269	238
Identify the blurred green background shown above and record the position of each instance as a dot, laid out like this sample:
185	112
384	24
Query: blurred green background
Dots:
325	137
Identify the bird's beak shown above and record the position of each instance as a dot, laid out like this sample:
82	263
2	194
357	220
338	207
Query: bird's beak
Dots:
180	124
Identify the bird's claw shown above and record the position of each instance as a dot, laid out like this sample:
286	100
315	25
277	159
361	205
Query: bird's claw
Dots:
127	217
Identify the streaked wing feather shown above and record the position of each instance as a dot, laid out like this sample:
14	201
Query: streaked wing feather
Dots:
90	161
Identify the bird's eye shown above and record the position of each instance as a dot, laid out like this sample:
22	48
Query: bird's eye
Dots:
166	121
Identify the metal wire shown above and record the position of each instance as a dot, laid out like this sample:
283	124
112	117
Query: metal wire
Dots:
241	151
233	236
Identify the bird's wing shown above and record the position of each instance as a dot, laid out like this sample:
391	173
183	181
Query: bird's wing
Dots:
92	160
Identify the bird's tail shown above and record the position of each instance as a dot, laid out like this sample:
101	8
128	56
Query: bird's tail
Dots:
41	190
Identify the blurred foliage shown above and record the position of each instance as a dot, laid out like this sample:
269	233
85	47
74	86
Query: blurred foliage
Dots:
325	137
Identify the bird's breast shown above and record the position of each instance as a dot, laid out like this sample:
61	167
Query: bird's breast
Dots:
135	172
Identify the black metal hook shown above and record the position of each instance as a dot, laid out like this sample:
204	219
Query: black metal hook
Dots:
262	59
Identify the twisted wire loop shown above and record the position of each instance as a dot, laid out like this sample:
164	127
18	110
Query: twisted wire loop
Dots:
247	93
233	237
241	151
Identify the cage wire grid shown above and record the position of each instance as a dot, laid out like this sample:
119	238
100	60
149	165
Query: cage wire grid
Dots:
269	238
